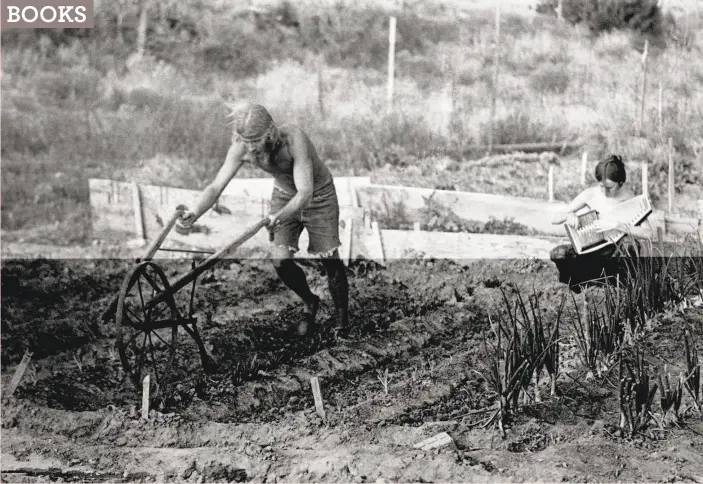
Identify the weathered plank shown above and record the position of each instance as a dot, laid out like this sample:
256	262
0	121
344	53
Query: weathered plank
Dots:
417	203
682	226
401	244
241	205
113	216
257	188
367	242
112	209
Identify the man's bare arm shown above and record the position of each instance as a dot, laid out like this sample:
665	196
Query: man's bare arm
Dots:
232	164
302	175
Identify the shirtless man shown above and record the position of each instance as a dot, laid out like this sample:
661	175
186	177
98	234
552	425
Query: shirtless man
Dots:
304	196
604	198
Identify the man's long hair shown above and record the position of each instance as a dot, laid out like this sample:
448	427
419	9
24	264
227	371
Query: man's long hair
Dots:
252	122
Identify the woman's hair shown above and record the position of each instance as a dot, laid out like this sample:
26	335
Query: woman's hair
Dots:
611	168
252	122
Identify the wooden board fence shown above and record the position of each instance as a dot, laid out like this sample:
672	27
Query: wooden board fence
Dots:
123	212
116	216
418	205
401	244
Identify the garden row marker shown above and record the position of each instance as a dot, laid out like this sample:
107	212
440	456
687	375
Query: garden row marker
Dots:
584	165
645	179
671	176
391	61
19	373
494	83
145	397
551	183
317	395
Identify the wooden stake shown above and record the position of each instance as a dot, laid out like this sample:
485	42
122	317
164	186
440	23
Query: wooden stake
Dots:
348	238
660	108
660	238
145	397
643	88
494	83
142	27
391	62
19	373
645	179
416	226
671	176
584	166
320	94
137	206
560	10
551	183
317	395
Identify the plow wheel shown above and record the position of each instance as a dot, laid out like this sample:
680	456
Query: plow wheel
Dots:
147	323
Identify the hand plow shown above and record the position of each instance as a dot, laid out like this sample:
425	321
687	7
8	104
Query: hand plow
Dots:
148	319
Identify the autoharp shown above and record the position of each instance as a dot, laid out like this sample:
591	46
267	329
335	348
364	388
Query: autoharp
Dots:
584	237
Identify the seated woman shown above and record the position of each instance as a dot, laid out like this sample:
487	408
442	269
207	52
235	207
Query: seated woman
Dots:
576	269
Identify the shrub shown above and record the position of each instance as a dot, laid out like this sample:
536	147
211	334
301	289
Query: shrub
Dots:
550	79
643	16
520	126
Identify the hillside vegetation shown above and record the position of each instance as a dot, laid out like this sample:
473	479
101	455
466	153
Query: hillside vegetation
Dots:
80	104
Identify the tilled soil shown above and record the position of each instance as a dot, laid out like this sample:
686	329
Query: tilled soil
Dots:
412	366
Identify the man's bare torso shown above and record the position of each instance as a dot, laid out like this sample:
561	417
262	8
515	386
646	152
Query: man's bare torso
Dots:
279	163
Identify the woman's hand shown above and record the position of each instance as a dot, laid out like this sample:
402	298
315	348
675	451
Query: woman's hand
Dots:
605	225
566	218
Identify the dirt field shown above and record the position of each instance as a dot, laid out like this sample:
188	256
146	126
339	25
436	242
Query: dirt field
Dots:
412	367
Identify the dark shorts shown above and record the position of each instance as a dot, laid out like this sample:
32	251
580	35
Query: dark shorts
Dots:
577	270
320	219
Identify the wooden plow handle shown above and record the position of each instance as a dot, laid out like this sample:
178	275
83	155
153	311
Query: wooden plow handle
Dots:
164	233
193	274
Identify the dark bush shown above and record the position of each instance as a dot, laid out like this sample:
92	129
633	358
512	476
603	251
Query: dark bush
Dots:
643	16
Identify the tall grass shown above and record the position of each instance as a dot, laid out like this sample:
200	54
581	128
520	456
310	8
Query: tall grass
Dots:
78	100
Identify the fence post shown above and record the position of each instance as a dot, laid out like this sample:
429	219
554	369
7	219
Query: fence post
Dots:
584	165
671	176
494	83
551	183
643	89
645	179
391	62
660	108
320	90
